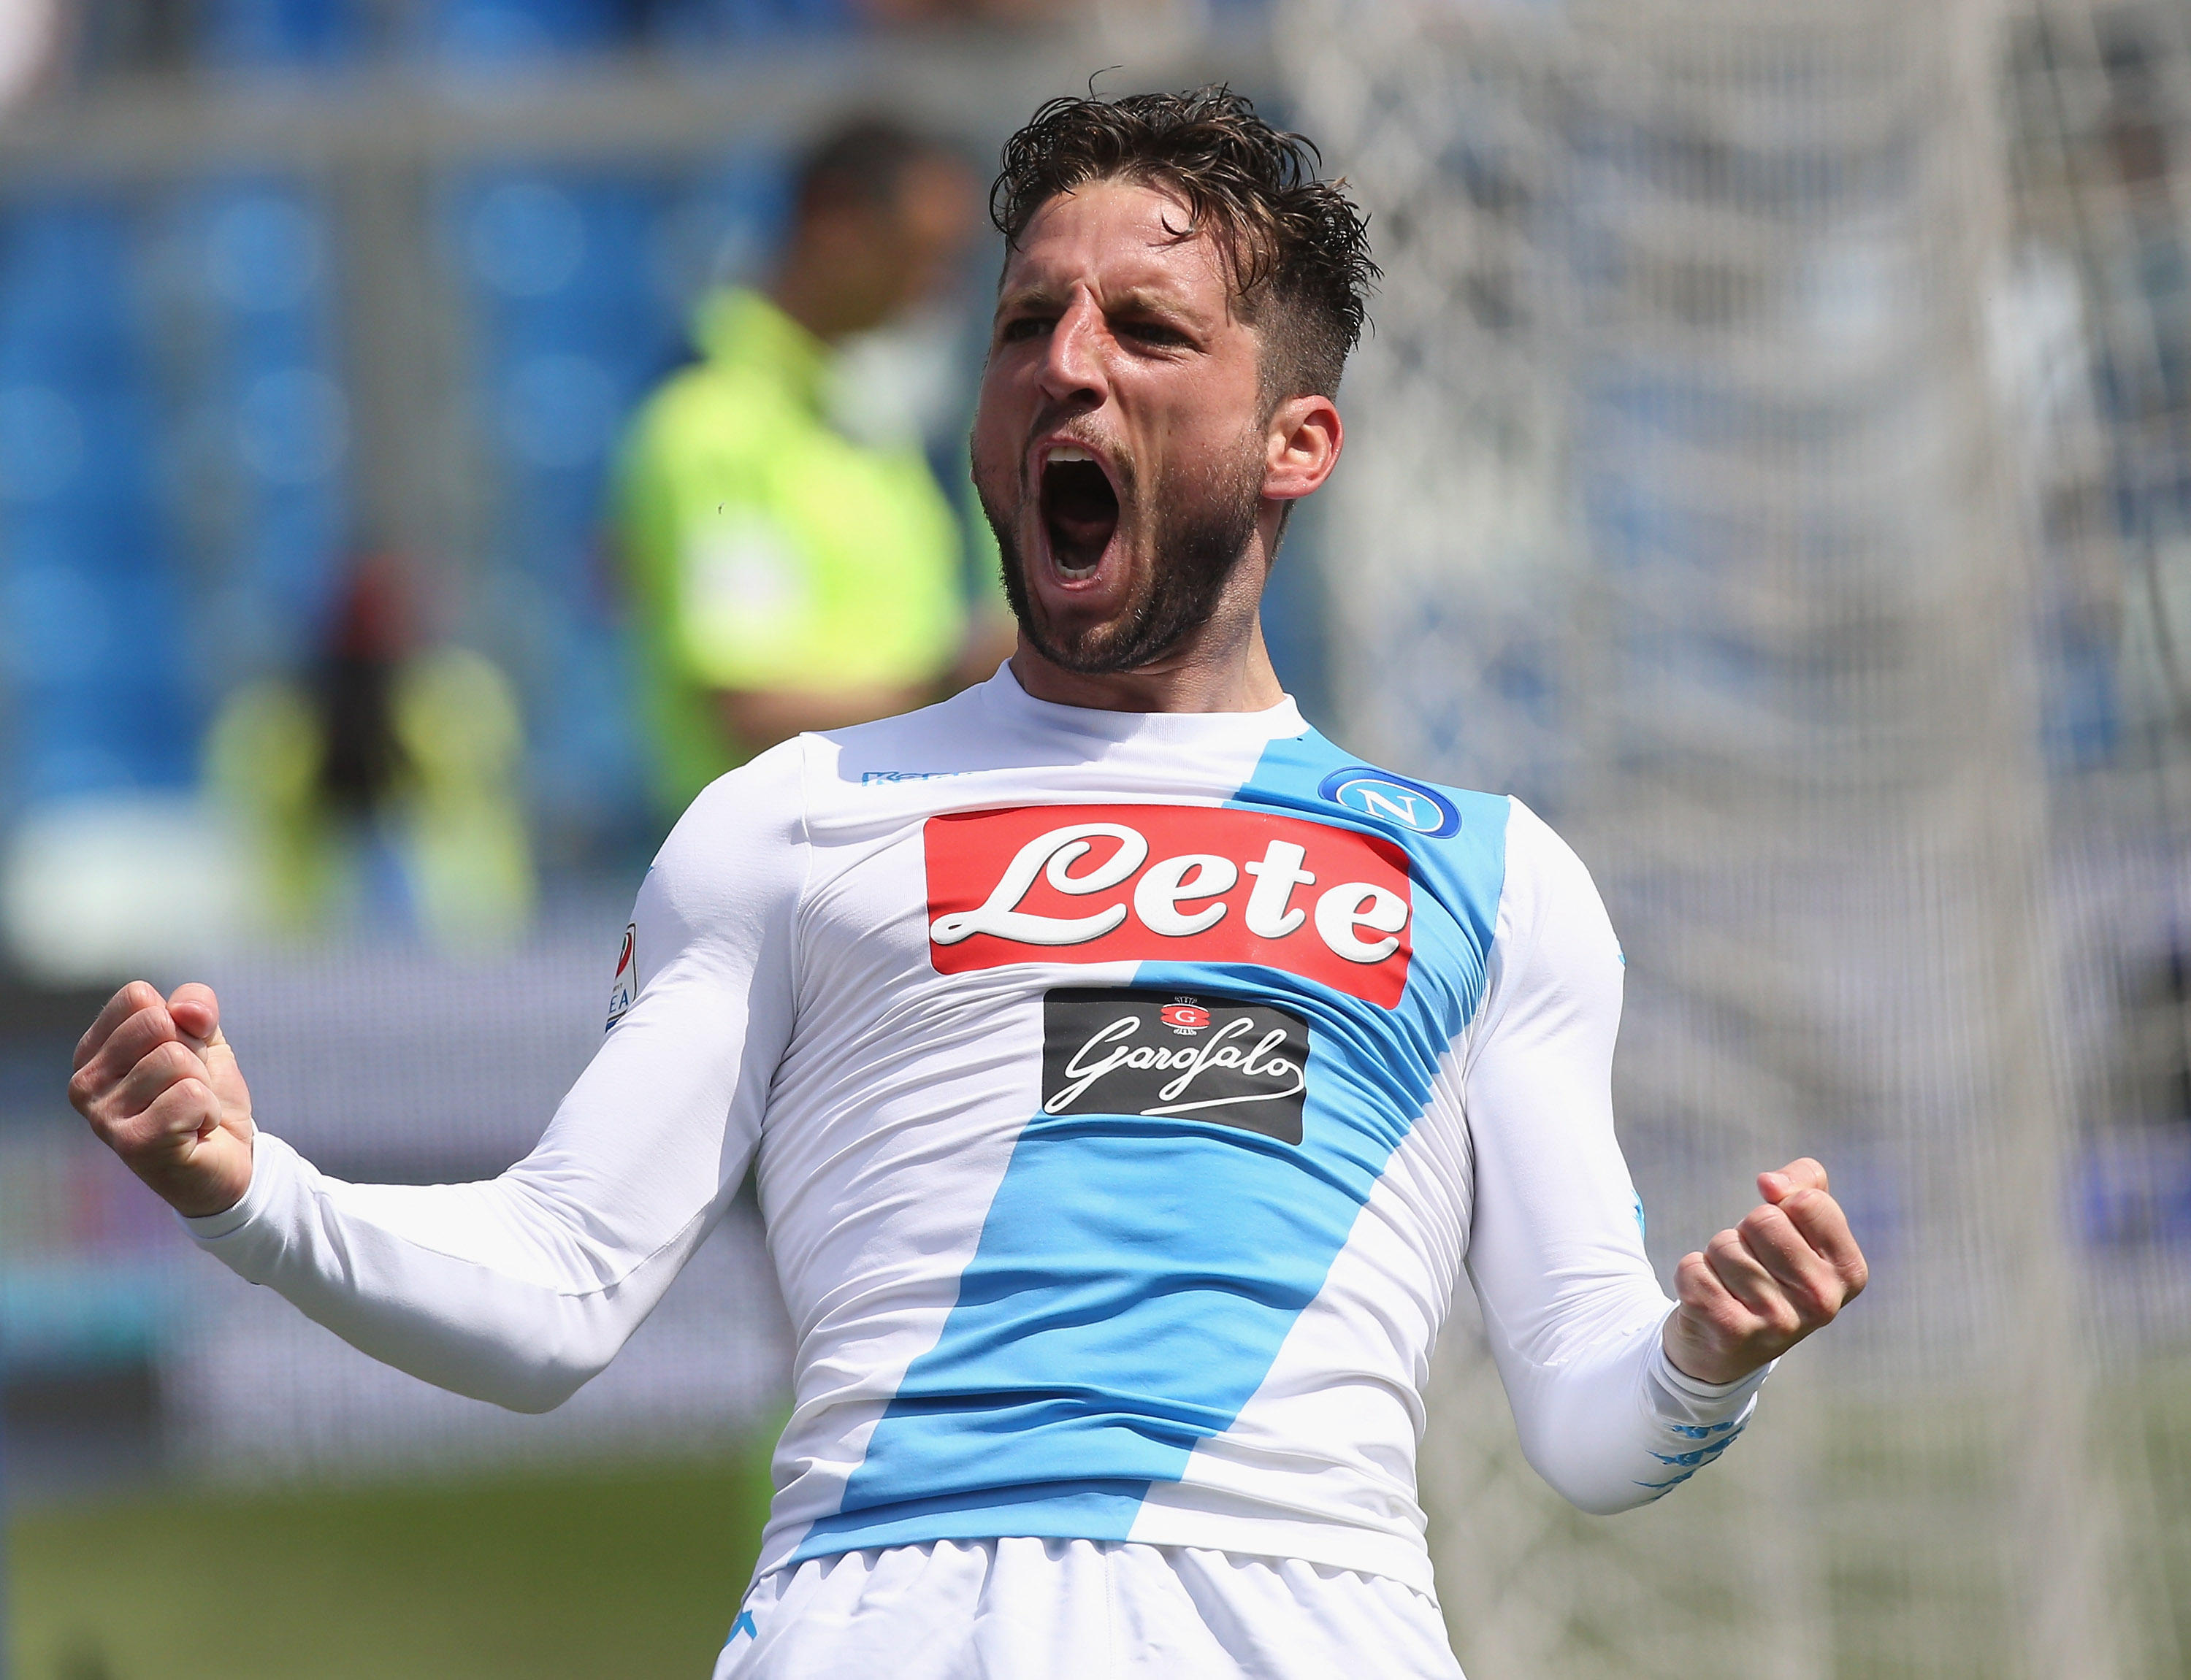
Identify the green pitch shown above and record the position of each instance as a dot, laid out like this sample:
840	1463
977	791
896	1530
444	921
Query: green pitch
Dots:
624	1574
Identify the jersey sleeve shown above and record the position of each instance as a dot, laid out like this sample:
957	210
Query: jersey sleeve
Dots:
1572	1308
518	1289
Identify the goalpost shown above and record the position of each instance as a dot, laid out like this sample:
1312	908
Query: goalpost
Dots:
1688	496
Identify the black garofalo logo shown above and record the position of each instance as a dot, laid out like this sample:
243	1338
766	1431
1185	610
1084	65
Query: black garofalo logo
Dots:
1183	1055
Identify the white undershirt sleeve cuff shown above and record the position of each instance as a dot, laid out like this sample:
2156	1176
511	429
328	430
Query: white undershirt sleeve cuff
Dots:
1678	1397
273	1162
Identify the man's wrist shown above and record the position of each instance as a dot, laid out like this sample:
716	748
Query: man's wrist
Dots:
1686	1358
240	1211
211	1203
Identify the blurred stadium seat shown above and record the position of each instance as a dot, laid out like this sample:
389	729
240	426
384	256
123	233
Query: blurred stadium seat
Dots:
102	694
272	419
571	325
484	35
719	23
244	35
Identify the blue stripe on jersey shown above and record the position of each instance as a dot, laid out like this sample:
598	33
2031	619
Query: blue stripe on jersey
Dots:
1135	1276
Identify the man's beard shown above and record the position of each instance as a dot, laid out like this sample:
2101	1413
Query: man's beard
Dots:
1196	544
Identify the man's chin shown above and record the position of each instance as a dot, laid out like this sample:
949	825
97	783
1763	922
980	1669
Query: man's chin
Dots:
1091	632
1106	648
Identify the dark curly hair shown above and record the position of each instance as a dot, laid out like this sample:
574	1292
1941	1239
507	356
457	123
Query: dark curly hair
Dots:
1297	247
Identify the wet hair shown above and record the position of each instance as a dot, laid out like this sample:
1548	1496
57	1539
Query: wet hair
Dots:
861	163
1297	248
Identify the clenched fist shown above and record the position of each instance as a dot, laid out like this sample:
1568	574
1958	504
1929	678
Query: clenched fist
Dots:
1757	1290
161	1087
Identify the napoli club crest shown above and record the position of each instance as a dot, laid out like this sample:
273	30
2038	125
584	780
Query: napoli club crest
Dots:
625	986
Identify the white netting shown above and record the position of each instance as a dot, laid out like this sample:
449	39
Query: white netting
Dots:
1729	478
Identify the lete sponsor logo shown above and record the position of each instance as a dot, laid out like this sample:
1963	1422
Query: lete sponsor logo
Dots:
1177	884
1110	1051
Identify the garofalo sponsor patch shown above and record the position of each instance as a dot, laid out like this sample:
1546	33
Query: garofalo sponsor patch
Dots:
1106	1050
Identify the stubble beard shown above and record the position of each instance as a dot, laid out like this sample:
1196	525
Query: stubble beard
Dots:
1201	534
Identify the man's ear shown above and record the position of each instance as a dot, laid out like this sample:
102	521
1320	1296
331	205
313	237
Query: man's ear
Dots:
1305	437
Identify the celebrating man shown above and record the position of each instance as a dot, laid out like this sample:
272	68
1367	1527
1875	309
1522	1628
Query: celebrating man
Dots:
1131	1072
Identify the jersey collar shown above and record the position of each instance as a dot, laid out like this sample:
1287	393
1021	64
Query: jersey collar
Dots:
1013	705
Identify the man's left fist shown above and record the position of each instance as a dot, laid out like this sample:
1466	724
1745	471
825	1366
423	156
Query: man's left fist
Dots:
1759	1289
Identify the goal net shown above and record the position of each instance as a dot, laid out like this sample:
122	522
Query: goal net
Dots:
1773	460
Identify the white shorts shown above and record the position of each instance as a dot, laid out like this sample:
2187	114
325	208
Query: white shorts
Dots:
1080	1609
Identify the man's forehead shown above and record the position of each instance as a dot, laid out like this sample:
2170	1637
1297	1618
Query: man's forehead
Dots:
1124	239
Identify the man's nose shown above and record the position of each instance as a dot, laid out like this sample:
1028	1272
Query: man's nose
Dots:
1073	369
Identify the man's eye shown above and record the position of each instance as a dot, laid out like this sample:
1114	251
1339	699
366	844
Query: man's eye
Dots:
1023	327
1153	333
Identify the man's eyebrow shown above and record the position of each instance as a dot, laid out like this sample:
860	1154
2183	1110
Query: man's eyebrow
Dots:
1136	300
1142	301
1033	292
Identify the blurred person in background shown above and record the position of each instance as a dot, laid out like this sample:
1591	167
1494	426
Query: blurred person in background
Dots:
792	560
383	783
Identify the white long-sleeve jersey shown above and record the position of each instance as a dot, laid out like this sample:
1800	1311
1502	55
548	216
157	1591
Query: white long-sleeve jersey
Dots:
1129	1093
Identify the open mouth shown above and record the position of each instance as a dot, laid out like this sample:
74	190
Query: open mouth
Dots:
1079	511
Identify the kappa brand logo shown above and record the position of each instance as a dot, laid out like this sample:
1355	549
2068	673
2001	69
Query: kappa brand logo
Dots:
1383	797
1179	884
1166	1054
625	987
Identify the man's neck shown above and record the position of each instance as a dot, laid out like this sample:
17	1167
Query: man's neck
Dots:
1222	668
1223	665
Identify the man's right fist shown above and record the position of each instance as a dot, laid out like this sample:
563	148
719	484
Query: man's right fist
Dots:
161	1087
